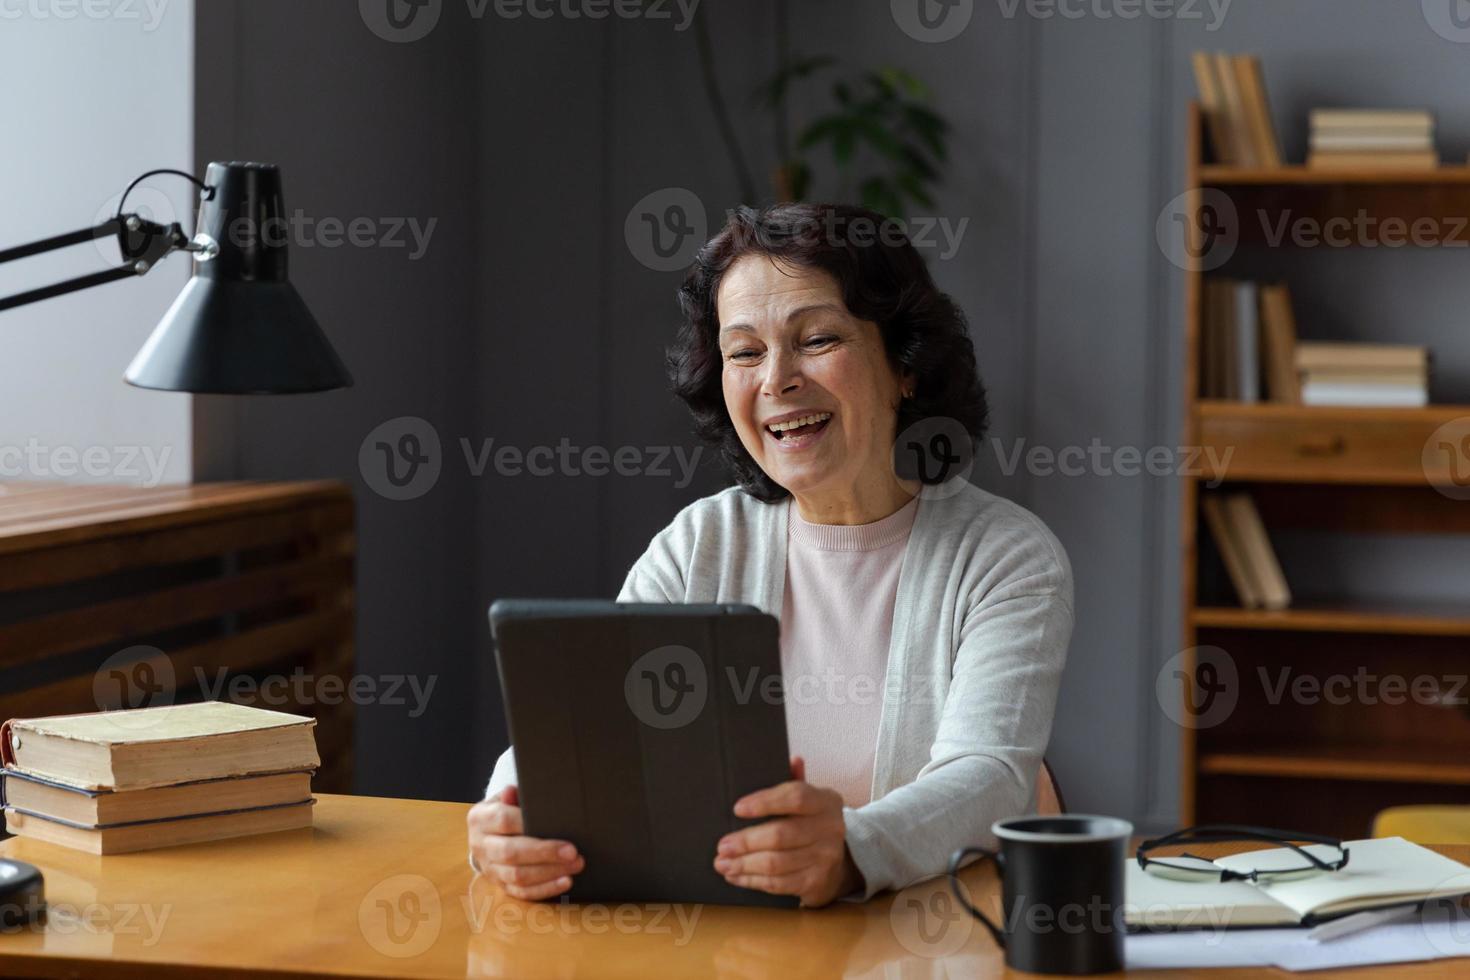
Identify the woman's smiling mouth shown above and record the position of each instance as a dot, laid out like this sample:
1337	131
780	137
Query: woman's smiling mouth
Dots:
798	431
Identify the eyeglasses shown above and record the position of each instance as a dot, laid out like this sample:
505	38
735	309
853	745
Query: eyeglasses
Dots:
1282	867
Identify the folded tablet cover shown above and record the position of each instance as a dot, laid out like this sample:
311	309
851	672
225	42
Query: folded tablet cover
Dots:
636	727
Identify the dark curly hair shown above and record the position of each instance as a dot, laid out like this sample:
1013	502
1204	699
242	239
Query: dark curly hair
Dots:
882	278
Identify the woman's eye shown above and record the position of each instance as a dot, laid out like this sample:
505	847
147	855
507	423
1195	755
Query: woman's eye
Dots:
820	341
744	354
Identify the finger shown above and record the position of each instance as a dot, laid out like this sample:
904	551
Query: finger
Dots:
774	862
782	799
798	768
782	834
535	874
537	893
510	796
495	849
495	817
793	884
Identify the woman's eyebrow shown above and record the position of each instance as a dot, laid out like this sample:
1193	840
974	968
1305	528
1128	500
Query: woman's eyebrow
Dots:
791	317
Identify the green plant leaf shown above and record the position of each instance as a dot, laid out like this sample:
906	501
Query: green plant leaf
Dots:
914	187
823	129
898	78
843	142
879	137
877	194
801	179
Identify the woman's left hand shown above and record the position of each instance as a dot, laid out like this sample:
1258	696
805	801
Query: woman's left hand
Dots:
802	851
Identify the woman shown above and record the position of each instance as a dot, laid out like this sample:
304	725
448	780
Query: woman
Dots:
926	620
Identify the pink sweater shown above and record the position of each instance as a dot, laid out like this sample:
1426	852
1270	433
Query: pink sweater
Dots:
836	623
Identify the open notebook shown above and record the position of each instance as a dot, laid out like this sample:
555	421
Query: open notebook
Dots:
1381	872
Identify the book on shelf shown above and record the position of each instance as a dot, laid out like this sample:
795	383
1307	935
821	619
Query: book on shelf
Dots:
1371	138
1246	328
1386	160
1278	344
1232	96
1381	375
116	781
1249	352
1245	548
1247	342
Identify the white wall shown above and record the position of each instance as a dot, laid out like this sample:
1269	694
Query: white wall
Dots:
95	94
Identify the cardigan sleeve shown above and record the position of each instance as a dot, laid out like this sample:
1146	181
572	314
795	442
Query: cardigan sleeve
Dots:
993	730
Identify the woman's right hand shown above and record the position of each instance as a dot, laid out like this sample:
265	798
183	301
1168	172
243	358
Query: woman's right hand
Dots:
529	868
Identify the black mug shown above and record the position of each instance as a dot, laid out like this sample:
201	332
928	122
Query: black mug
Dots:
1061	892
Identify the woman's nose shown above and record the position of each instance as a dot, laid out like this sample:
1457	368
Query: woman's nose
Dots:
782	375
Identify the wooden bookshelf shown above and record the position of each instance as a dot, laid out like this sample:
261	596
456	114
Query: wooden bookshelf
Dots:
1319	766
1443	174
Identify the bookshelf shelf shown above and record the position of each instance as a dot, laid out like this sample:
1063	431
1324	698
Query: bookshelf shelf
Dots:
1338	470
1215	175
1435	415
1405	763
1447	619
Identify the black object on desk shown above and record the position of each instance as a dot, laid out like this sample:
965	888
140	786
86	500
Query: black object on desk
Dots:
636	727
22	894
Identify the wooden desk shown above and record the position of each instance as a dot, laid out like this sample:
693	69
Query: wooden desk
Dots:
381	888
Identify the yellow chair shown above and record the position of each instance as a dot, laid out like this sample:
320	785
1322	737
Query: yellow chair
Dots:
1425	824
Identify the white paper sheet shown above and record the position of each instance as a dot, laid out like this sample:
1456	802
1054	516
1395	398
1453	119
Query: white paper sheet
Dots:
1441	933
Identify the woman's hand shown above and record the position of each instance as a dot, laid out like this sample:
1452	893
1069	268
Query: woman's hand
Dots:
528	867
802	852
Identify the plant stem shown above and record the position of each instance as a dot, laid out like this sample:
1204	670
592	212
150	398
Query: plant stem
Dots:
717	106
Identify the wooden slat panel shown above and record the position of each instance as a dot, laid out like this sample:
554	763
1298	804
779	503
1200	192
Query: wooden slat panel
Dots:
195	504
239	652
291	548
118	620
77	562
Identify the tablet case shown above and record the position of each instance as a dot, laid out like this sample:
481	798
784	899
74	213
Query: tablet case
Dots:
635	728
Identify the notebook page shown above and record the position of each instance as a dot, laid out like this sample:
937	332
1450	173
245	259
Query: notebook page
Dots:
1159	903
1379	872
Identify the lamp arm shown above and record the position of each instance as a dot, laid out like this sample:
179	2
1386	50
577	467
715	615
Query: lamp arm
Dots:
143	243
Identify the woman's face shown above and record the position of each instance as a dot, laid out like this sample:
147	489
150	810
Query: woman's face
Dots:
793	353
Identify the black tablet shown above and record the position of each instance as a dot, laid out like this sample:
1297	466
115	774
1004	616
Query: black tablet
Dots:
636	727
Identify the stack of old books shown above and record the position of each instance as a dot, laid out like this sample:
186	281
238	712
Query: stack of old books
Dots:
1387	375
119	781
1386	139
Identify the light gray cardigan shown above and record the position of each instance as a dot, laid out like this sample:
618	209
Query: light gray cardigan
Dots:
980	630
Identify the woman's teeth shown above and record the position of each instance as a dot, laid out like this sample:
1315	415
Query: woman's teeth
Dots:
789	424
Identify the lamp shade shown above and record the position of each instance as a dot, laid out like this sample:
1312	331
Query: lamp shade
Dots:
239	327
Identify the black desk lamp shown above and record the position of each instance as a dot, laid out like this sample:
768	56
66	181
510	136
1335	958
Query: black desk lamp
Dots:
239	327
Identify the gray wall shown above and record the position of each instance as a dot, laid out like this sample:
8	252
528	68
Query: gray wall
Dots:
363	128
92	101
531	320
